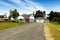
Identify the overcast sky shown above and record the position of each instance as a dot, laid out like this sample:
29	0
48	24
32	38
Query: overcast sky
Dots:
28	6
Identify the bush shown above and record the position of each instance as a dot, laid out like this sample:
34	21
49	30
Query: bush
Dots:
56	19
59	20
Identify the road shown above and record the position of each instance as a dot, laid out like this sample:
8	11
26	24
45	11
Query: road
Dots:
32	31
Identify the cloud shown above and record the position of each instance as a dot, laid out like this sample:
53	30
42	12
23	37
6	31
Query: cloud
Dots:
2	12
28	5
36	5
17	1
6	4
25	6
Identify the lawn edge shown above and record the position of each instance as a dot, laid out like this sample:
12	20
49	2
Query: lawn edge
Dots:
48	35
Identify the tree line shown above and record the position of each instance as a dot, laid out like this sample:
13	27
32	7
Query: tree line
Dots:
14	14
40	14
54	16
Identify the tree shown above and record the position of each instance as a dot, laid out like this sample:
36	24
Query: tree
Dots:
1	16
5	15
54	16
44	14
10	15
51	15
38	14
14	14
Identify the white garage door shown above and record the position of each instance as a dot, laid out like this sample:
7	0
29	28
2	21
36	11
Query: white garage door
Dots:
42	21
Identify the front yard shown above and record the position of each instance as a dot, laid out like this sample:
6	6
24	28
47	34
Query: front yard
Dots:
5	25
54	29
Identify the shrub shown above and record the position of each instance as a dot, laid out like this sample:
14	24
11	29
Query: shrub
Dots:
59	20
56	19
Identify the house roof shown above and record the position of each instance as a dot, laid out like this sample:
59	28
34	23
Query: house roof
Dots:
6	18
26	16
20	17
31	17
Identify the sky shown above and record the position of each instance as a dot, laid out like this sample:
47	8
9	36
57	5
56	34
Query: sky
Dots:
28	6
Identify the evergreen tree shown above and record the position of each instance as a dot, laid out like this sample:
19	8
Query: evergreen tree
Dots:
51	15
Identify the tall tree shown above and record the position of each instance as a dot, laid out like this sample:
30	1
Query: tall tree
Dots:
14	13
44	14
51	15
39	14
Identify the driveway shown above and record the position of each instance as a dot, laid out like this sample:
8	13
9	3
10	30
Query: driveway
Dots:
32	31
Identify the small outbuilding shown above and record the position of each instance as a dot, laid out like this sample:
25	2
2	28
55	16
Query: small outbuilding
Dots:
20	19
31	18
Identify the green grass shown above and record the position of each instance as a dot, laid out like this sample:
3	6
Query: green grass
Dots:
55	29
5	25
56	25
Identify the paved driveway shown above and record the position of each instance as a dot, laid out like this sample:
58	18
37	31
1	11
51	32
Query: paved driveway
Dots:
32	31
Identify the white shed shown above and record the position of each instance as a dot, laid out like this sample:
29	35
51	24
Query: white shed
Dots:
31	18
20	19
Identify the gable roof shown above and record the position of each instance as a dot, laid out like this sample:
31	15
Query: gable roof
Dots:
31	17
20	17
26	16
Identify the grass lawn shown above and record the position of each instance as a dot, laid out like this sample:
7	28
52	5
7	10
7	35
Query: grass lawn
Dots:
5	25
55	29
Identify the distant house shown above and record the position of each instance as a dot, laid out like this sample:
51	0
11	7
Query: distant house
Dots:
6	19
31	18
20	19
26	17
2	20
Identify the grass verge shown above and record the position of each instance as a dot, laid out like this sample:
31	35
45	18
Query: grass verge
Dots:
5	25
54	29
